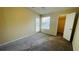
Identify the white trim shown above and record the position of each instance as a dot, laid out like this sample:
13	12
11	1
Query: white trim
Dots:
10	41
5	43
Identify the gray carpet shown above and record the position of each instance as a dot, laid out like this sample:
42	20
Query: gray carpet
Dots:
39	42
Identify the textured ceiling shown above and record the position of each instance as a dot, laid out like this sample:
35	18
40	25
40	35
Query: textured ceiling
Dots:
47	10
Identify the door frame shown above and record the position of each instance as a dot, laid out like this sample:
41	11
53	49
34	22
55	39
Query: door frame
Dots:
58	22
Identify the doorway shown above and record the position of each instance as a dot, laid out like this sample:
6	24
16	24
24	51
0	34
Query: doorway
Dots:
61	25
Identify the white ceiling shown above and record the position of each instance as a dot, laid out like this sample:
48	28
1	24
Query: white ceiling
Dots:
47	10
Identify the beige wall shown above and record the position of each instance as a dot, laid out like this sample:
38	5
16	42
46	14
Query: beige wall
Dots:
53	24
76	38
18	23
1	24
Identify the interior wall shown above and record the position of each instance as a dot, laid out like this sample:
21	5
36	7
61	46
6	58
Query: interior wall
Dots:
53	24
18	23
61	24
76	38
1	26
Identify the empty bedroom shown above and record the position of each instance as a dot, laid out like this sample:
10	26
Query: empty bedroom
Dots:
39	28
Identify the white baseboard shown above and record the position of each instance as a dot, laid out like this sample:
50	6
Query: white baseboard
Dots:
10	41
14	40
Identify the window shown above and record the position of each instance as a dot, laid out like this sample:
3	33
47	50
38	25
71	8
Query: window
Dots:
46	22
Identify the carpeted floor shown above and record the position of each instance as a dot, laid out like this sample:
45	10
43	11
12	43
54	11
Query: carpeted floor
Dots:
39	42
